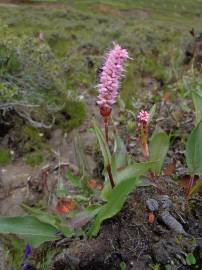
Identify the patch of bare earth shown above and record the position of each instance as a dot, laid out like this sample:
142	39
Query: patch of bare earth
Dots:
131	239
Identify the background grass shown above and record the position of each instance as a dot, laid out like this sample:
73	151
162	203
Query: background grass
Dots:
156	34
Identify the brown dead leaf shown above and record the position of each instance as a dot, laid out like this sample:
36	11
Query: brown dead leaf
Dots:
93	184
64	206
167	96
151	218
196	188
184	181
170	169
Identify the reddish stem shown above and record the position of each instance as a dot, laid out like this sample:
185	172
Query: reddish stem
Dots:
106	122
109	171
110	175
191	182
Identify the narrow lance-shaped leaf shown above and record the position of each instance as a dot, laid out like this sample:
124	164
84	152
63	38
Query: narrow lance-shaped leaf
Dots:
103	146
194	150
196	187
29	228
197	100
82	162
158	148
113	206
151	113
120	156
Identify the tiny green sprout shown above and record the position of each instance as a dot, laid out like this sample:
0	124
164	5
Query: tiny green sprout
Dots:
155	266
190	259
168	267
122	266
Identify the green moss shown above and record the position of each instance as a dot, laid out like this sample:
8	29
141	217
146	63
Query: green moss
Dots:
5	157
32	139
34	159
72	115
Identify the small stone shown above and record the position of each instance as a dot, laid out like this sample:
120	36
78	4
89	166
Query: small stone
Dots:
152	205
172	223
166	202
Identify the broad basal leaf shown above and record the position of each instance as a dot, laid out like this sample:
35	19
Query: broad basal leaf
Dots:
29	228
41	215
84	217
132	171
117	198
51	219
194	150
158	148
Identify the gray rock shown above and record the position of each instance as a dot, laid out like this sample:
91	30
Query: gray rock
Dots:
152	205
171	222
166	202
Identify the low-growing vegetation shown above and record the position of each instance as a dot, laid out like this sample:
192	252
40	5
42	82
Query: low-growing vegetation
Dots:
124	193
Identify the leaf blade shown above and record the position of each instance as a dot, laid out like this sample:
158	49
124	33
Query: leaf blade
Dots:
197	100
114	204
28	228
132	171
194	150
103	146
158	148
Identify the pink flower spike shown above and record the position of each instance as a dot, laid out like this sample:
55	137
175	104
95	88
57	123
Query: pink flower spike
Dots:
143	117
110	76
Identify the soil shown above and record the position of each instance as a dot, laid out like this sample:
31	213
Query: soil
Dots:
131	239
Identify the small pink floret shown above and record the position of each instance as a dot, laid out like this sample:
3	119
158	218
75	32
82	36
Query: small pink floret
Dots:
110	76
143	117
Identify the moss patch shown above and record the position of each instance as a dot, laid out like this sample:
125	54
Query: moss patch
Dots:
72	115
5	157
34	159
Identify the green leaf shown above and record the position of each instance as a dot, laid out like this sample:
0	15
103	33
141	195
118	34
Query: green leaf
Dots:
41	215
103	146
190	259
168	267
29	228
117	198
194	150
82	218
75	180
61	191
122	266
120	151
132	171
152	112
158	148
51	219
120	156
197	100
